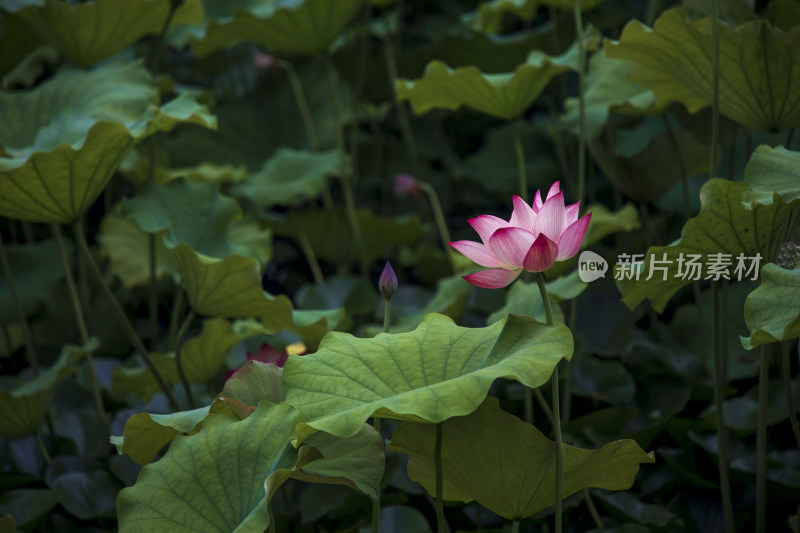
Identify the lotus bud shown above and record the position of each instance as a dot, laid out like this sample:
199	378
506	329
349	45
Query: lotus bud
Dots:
387	282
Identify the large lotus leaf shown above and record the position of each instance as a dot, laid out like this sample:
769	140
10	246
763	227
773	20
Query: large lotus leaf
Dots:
290	177
488	17
772	311
303	27
193	213
674	60
231	288
35	277
89	32
771	171
214	480
24	405
505	96
65	138
202	359
435	372
146	434
723	226
356	462
329	233
607	90
507	465
647	168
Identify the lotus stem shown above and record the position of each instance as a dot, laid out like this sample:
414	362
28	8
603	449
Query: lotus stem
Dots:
347	179
30	352
566	395
123	319
311	257
441	521
302	104
158	46
515	526
177	307
387	310
787	386
587	497
42	448
581	102
761	441
548	311
523	179
79	318
178	361
438	215
719	387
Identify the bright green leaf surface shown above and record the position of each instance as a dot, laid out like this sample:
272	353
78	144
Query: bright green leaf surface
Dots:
302	27
723	225
145	433
772	171
356	462
213	481
66	137
231	288
435	372
772	311
290	177
34	277
23	405
507	465
501	95
89	32
674	60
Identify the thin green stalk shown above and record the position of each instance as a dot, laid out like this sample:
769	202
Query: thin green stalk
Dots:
376	503
43	449
438	215
387	310
123	319
174	318
302	104
441	522
178	361
30	352
587	497
566	395
523	179
787	386
153	292
528	405
311	257
719	387
158	47
78	311
347	179
761	441
548	413
515	526
556	410
581	102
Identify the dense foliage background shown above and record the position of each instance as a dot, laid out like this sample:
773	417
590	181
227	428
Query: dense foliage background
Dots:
204	150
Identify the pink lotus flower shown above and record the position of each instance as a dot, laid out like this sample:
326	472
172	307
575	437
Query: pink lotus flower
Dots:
269	355
533	239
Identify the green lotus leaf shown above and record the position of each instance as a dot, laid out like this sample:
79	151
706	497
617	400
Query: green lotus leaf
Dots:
314	26
329	233
231	288
641	161
607	90
507	465
643	513
290	177
214	480
724	225
17	40
506	96
356	462
27	506
741	412
771	311
23	405
193	213
202	358
674	60
89	32
435	372
207	173
34	277
253	382
772	171
146	434
488	18
605	222
64	139
123	242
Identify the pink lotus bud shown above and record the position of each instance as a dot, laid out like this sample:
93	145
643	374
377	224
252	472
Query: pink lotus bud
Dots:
405	185
265	62
388	281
